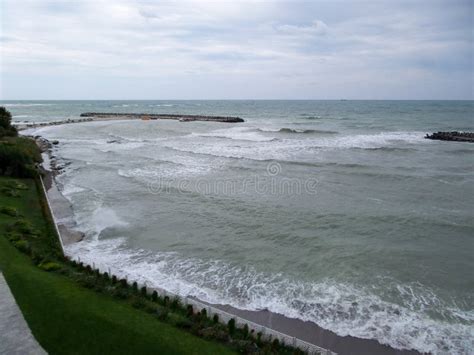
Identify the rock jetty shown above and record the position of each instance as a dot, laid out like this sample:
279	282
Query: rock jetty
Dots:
154	116
452	136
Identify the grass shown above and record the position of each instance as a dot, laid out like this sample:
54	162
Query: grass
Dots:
67	318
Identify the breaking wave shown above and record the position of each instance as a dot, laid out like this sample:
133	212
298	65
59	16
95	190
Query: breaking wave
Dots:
342	308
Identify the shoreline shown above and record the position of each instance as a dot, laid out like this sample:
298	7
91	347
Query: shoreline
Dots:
307	331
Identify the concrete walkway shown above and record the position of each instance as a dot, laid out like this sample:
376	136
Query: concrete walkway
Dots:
15	335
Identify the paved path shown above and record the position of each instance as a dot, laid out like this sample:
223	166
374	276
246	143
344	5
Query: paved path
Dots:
15	335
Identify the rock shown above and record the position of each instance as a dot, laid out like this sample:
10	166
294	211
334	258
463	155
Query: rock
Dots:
452	136
55	142
148	116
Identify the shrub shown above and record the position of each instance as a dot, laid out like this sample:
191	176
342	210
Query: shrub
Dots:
9	211
231	326
275	343
119	293
18	185
135	286
215	318
49	266
245	331
154	296
23	226
203	313
137	302
184	323
13	236
9	192
106	276
162	314
123	283
189	311
143	291
37	258
166	300
18	157
6	128
176	303
114	279
22	245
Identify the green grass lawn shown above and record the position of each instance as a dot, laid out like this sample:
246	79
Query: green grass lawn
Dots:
66	318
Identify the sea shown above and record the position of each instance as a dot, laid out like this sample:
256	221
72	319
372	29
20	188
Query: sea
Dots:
336	212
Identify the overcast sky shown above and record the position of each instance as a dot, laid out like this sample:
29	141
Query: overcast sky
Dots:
120	49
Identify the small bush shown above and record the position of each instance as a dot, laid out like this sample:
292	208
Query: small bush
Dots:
162	314
49	266
275	343
215	318
143	291
184	323
138	303
189	311
9	211
9	192
124	283
13	236
166	300
231	326
106	276
22	245
23	226
37	258
175	303
154	296
135	286
120	293
245	331
18	185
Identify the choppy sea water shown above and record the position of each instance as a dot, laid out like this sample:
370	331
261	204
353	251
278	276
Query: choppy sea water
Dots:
338	212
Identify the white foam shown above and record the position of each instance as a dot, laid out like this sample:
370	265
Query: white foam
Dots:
267	148
104	218
236	133
342	308
25	105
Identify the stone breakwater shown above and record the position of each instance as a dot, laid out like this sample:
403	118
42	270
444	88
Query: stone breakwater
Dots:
154	116
452	136
25	125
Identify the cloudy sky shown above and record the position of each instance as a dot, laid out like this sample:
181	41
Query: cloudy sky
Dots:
124	49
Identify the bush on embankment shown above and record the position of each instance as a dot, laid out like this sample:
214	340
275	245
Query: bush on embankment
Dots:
18	155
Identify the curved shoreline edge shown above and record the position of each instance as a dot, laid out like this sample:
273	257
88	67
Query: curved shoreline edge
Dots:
305	335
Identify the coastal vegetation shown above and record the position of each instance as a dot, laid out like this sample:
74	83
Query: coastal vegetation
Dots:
18	155
70	305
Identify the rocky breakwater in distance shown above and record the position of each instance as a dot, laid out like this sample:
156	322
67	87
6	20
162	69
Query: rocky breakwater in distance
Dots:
25	125
452	136
154	116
